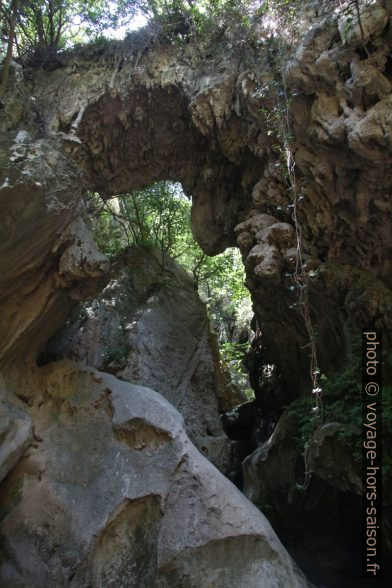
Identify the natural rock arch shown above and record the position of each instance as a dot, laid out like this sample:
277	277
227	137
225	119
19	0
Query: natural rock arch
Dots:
129	114
157	120
125	129
119	117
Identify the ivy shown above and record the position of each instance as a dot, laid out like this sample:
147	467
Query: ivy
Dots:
342	400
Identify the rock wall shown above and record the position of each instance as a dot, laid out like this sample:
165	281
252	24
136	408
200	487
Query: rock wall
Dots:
100	483
149	327
130	113
120	116
144	114
111	491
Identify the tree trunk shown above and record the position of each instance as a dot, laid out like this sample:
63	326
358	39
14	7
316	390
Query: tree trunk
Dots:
8	57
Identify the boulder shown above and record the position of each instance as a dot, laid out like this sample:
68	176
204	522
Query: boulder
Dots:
149	327
113	493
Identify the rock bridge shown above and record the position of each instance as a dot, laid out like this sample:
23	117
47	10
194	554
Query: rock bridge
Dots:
112	119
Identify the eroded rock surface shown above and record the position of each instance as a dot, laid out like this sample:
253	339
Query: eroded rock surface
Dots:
118	117
150	327
113	492
16	430
130	113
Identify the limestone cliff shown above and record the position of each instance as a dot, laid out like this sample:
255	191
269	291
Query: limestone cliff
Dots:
120	116
126	114
149	327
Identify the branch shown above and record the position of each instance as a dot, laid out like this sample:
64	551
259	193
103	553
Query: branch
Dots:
118	219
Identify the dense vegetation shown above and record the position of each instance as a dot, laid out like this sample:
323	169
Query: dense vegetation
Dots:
34	31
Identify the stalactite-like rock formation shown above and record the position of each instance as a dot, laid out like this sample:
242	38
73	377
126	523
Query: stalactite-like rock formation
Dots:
116	118
123	119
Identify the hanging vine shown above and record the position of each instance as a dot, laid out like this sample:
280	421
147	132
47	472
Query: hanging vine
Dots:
282	128
280	125
300	274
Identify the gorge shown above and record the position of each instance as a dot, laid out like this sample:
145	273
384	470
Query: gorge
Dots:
103	481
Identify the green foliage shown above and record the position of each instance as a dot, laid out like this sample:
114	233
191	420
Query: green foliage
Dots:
343	399
307	421
234	353
154	217
346	381
43	27
160	216
55	24
179	20
342	403
47	26
347	410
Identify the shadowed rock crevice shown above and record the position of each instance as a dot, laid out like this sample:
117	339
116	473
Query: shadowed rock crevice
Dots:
177	113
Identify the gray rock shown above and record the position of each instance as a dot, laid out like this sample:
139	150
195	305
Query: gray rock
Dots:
16	431
331	458
150	327
124	116
115	494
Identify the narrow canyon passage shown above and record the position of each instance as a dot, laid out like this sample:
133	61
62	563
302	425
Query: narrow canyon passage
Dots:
129	404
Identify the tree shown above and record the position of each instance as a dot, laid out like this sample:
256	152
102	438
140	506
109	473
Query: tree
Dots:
160	216
43	27
12	16
157	216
